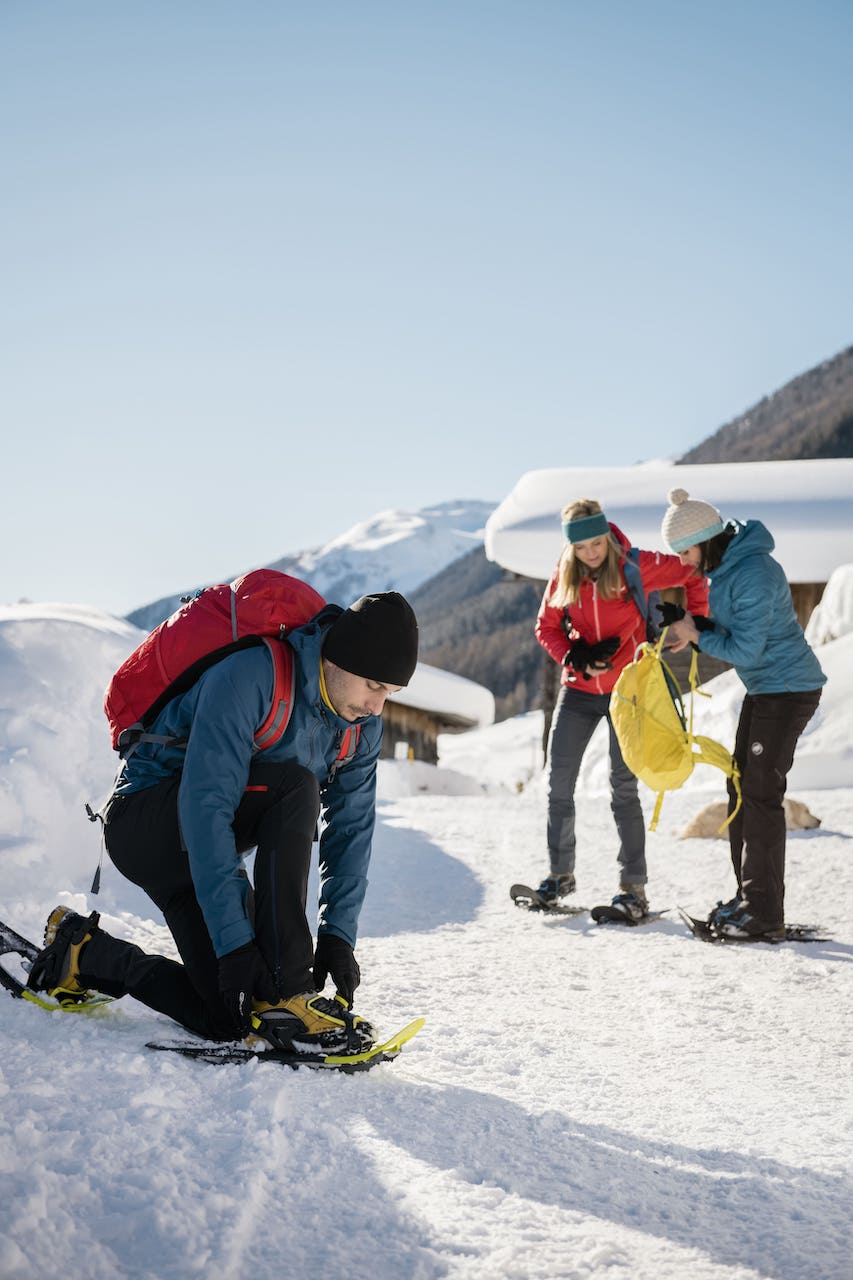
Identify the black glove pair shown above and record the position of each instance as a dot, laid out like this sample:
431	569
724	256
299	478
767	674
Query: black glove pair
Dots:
334	958
582	655
670	613
243	974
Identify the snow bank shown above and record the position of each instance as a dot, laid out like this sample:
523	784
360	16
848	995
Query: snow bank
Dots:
833	617
397	779
55	662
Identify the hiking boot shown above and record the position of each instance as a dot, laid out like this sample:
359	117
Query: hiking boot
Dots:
741	923
56	968
311	1023
631	901
553	888
724	910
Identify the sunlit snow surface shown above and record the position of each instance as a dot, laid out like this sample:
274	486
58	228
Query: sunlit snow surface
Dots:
583	1101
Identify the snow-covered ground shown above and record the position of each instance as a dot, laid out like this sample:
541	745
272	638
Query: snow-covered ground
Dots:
582	1102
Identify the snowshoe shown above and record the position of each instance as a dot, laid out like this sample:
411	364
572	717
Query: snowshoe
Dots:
706	931
241	1052
549	903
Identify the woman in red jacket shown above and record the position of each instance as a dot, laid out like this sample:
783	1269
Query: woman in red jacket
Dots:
589	622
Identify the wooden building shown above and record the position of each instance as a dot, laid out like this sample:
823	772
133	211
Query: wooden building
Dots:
434	702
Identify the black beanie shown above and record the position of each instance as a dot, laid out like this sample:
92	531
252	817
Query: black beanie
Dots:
377	638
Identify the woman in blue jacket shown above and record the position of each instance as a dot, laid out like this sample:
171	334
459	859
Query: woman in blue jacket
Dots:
756	630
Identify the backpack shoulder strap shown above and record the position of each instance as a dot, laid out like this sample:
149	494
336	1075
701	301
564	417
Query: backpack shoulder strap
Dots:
644	603
278	718
349	744
273	728
634	581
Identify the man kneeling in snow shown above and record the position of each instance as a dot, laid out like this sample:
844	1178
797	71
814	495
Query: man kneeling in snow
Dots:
187	807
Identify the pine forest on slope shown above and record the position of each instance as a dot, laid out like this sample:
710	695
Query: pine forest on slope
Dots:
810	417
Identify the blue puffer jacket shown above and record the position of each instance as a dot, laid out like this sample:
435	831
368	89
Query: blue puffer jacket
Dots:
756	629
219	716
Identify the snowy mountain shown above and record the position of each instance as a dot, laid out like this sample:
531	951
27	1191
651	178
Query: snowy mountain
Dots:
393	551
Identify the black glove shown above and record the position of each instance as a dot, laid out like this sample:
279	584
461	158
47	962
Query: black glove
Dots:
605	649
579	657
582	655
669	613
242	974
334	957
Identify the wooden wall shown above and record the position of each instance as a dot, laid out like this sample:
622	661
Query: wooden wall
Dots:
806	596
420	729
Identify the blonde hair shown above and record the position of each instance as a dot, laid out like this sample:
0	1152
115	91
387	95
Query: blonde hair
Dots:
572	571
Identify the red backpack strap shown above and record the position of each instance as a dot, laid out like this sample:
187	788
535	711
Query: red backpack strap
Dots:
349	742
278	718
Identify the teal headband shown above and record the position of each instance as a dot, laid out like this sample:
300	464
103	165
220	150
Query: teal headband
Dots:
586	527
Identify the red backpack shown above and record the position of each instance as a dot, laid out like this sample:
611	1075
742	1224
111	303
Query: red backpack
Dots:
257	608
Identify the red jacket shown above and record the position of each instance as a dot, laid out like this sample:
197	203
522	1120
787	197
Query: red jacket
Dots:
592	618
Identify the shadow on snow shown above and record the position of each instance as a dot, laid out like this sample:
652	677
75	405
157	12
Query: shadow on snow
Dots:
414	886
782	1221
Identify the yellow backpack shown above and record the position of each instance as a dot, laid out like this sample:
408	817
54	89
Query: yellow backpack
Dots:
656	738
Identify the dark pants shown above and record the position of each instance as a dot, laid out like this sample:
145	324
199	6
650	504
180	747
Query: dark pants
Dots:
576	717
767	734
278	814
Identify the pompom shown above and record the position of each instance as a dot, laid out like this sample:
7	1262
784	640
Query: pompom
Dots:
677	496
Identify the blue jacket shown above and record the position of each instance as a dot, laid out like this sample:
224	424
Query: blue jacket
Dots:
218	716
756	628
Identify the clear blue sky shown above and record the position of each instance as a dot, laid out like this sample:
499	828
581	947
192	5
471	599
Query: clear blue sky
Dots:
269	268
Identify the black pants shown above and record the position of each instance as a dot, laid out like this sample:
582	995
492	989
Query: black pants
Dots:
278	814
767	734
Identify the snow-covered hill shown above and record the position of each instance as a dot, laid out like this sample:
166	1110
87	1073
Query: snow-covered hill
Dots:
393	551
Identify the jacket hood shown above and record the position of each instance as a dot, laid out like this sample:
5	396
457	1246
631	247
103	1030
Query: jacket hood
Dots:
751	538
307	643
620	537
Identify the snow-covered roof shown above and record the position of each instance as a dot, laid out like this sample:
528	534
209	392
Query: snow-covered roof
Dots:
806	505
454	698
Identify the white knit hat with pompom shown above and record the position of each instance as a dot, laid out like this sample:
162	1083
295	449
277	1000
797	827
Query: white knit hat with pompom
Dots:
689	521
